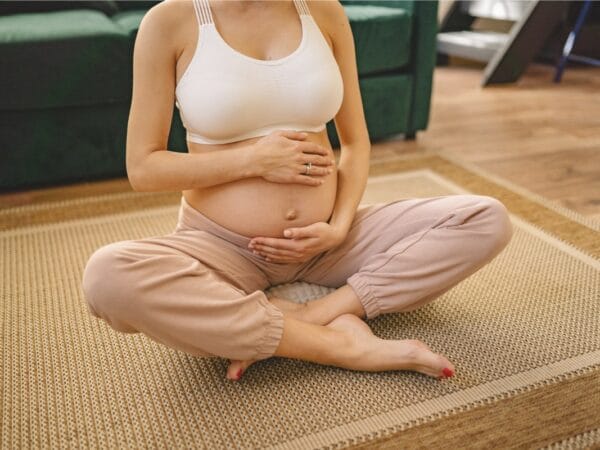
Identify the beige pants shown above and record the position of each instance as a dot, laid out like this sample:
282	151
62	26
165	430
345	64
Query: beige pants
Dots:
200	289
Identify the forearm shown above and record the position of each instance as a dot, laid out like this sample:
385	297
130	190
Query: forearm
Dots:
353	172
174	171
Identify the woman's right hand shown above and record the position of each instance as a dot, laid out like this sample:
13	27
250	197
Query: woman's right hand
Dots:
281	157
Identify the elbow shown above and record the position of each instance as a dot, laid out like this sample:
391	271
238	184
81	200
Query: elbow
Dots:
137	180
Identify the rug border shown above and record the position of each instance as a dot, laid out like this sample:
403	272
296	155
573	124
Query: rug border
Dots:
402	418
534	209
552	204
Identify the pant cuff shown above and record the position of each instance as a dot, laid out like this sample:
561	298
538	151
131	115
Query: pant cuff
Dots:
365	295
273	329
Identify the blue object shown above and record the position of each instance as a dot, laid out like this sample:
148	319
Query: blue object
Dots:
566	54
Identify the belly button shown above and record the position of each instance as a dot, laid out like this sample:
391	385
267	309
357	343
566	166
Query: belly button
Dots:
291	214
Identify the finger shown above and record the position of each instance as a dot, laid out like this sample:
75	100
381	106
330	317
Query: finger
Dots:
276	251
303	232
313	147
315	171
284	244
317	160
318	171
291	134
307	179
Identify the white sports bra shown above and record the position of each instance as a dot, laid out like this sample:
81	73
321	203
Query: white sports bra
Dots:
226	96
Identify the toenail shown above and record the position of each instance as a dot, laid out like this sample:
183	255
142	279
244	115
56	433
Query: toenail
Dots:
239	373
448	372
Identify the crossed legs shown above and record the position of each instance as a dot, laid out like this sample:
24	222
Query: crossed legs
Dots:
192	291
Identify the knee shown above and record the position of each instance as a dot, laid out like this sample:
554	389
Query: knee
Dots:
104	285
498	222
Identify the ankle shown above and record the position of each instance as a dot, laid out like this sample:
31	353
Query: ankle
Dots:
348	352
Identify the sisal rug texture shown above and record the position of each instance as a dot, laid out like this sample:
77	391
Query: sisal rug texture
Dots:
523	333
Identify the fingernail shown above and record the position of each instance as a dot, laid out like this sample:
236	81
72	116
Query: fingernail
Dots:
448	372
239	373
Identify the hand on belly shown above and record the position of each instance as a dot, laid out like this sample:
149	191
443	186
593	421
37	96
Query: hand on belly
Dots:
298	244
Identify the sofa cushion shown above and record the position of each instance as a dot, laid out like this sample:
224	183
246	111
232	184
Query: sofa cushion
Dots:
64	145
108	7
384	117
382	37
129	20
63	58
407	5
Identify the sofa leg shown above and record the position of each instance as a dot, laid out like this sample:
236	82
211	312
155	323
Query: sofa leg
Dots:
410	136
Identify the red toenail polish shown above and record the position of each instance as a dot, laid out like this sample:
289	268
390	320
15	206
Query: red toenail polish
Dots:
448	372
239	373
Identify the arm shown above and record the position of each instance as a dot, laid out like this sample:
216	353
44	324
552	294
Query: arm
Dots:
150	167
353	171
350	123
166	170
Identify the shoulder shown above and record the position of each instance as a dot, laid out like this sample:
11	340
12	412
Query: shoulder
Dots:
163	15
166	25
331	9
331	17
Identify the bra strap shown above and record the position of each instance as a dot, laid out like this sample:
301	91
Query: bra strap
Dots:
203	12
302	7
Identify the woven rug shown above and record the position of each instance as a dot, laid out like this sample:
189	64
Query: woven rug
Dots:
523	333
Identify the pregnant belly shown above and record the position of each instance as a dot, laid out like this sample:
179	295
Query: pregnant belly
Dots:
256	207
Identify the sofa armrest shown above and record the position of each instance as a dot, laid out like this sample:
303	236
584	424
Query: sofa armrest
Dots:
423	61
423	54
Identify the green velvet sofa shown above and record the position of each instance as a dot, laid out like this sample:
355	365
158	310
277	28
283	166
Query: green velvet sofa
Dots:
65	83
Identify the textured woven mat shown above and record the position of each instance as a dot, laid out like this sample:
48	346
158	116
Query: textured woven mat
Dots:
527	319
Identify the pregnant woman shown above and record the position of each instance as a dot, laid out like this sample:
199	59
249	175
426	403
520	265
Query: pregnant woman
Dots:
264	201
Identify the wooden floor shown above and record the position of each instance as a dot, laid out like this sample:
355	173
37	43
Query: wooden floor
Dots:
537	134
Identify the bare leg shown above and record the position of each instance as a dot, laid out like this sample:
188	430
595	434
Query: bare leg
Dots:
319	312
349	343
323	310
343	300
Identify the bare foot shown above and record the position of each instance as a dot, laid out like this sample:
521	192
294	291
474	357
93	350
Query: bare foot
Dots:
296	310
380	354
376	354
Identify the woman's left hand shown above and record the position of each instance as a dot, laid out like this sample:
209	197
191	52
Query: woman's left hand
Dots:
299	244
